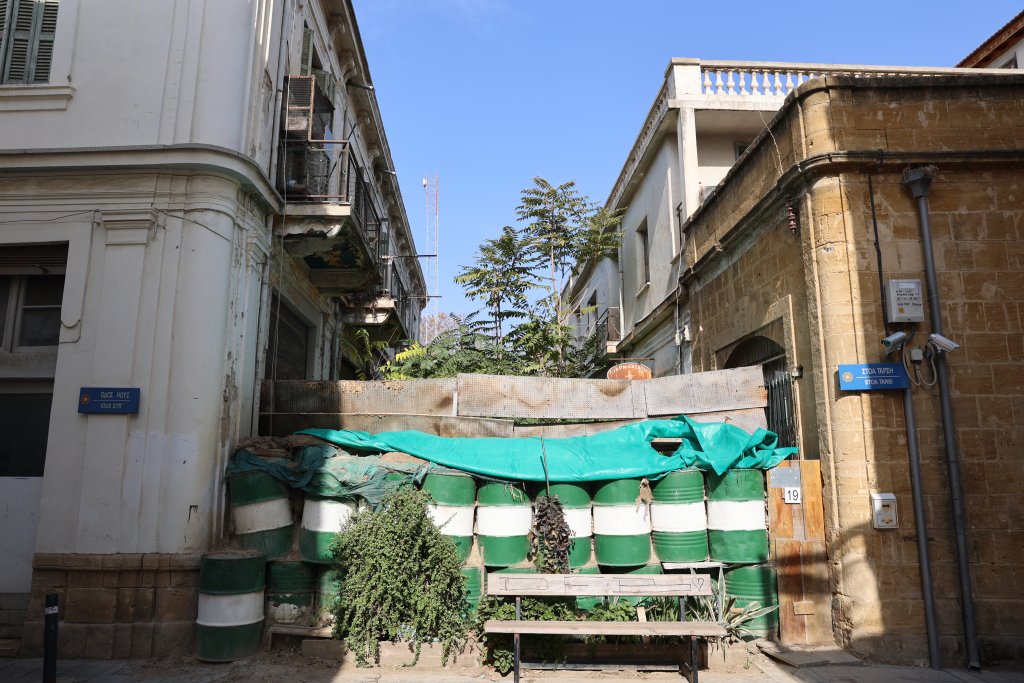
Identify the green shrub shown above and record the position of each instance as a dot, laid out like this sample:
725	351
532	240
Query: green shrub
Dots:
402	580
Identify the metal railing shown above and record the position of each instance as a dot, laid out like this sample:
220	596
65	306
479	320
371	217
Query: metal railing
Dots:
606	326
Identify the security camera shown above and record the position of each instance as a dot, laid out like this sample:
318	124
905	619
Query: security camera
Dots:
894	340
942	343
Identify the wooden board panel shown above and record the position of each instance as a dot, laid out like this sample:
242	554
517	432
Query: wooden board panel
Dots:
789	565
704	392
415	397
282	424
780	513
548	397
608	628
598	584
813	509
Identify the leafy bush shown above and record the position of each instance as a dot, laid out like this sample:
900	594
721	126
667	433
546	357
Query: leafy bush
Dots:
402	580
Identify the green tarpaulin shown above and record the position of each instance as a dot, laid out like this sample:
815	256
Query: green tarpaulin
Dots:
620	453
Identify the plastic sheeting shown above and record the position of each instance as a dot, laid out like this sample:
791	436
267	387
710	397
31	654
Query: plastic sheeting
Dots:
616	454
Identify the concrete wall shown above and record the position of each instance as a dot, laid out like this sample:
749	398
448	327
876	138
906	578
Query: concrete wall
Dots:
747	261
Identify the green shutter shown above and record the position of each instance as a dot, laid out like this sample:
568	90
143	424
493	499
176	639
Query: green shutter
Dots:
28	30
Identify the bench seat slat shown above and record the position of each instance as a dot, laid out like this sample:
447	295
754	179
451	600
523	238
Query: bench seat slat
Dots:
607	628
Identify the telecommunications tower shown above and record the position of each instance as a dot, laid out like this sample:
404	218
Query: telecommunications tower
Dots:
430	265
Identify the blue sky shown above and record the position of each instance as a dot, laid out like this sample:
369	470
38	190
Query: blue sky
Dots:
490	93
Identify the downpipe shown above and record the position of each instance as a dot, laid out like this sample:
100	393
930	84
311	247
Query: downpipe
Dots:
918	181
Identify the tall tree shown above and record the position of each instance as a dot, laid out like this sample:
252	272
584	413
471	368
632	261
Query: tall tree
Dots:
500	276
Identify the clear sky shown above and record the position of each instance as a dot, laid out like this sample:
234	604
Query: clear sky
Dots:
488	94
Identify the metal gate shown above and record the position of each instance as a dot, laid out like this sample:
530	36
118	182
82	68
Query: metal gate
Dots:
772	359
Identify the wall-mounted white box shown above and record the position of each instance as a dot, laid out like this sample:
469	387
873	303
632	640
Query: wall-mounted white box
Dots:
904	300
883	511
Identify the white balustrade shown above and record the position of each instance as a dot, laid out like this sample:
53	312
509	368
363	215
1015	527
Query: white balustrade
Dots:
768	79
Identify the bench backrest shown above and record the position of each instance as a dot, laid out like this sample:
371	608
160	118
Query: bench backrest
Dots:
599	584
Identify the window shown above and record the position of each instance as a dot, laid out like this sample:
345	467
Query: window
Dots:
288	346
27	29
30	311
1011	63
644	248
24	421
740	148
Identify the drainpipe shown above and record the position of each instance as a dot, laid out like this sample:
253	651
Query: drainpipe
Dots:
914	457
918	180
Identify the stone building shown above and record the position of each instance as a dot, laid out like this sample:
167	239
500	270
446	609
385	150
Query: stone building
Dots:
778	265
194	196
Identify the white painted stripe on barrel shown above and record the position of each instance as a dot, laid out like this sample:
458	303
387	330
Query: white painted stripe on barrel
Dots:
621	520
326	515
452	520
230	610
580	521
269	514
679	517
503	520
736	515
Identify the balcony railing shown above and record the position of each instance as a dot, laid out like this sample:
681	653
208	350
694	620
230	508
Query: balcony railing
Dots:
774	79
606	325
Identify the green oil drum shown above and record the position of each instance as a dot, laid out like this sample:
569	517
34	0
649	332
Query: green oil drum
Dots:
291	591
755	583
575	500
322	519
229	623
503	519
622	524
450	488
261	512
737	522
474	586
679	524
328	588
452	510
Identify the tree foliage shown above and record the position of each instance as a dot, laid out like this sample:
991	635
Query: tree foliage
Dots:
521	278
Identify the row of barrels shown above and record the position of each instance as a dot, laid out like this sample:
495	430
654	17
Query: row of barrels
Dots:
609	519
238	589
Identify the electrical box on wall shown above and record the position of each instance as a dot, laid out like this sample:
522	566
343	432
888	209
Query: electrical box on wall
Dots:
904	301
883	511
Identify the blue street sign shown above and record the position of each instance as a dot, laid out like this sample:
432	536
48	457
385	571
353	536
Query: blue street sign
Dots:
873	377
118	400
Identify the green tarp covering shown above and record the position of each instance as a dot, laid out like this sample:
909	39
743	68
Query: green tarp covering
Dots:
616	454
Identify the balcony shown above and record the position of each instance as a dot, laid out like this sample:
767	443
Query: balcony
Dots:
606	332
329	219
390	314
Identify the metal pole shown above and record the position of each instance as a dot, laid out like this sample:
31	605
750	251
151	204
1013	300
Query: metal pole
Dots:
914	454
515	640
50	639
918	181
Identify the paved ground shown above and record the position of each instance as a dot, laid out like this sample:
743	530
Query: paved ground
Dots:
293	668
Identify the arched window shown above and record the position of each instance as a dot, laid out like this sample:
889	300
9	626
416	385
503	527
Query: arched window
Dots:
772	359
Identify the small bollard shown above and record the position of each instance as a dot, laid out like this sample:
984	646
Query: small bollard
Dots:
50	640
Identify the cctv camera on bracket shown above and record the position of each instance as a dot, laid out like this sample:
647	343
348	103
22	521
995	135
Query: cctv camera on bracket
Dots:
940	343
894	340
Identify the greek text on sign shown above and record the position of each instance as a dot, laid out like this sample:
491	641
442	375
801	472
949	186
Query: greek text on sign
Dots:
111	400
873	377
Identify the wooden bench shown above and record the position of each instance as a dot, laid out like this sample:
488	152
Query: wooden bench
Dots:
612	585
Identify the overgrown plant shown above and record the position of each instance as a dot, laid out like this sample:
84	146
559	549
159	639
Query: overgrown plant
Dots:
551	537
498	646
402	580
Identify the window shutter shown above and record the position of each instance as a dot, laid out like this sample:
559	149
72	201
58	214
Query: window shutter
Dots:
40	66
306	60
30	25
5	20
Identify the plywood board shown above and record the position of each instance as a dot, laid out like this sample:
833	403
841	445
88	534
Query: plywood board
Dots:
548	397
414	397
598	584
608	628
813	509
282	424
705	392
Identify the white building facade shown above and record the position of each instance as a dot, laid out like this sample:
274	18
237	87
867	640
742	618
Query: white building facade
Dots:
165	227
